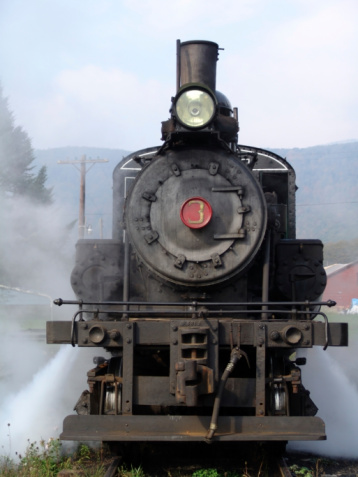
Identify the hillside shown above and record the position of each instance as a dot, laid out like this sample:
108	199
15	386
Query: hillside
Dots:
327	196
344	251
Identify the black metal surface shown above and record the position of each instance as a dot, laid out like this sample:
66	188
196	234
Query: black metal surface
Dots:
159	236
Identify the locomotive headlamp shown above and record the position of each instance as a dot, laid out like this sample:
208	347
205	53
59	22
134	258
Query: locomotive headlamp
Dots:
195	107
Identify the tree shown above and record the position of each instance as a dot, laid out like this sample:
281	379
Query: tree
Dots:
16	158
33	240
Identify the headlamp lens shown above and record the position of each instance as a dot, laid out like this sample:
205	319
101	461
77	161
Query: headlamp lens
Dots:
195	108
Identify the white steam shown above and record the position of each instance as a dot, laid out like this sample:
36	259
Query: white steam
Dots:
35	412
38	390
334	390
39	383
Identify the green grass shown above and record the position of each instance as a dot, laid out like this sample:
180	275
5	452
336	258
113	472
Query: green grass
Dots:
215	473
46	459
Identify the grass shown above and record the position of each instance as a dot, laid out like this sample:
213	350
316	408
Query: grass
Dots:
46	459
215	473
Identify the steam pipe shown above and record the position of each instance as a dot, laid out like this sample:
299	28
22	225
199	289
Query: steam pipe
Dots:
126	276
266	275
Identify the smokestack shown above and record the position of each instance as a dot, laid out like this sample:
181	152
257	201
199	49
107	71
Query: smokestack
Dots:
197	63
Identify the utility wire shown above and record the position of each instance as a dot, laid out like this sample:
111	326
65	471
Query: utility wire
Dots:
326	203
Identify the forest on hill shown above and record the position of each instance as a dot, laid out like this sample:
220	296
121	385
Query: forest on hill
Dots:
327	196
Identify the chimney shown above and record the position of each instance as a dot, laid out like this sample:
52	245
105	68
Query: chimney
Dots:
197	63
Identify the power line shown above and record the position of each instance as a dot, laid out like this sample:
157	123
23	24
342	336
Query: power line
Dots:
326	203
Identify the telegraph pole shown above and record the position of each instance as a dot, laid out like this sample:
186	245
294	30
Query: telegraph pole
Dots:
80	165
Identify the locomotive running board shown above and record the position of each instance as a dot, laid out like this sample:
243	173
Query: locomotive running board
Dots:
191	428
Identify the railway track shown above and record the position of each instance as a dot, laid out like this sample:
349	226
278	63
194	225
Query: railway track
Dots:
279	468
283	469
209	462
112	470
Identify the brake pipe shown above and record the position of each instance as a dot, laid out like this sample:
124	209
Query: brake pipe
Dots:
236	354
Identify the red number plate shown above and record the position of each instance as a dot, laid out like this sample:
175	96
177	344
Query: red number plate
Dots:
196	212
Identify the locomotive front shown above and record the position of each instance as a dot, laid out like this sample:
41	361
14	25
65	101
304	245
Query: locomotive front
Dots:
203	294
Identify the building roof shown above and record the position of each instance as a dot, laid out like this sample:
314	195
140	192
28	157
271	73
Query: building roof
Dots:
17	296
339	267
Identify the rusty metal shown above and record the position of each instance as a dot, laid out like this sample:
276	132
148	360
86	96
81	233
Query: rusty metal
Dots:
159	330
193	360
199	312
176	428
193	380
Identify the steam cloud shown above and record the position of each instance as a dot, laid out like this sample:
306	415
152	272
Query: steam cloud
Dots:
39	383
34	412
331	378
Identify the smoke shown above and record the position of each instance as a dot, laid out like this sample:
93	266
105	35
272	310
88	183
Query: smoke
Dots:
331	378
353	310
39	383
36	247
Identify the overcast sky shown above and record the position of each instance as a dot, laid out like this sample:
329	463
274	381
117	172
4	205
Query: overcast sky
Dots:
102	72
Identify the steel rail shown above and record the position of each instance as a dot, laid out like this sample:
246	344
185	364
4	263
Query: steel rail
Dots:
283	468
112	470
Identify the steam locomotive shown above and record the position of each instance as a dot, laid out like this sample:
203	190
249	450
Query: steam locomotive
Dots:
204	294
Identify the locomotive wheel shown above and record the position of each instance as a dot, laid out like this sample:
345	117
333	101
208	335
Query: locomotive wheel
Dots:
110	405
278	396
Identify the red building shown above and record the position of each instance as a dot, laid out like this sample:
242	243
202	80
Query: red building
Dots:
342	283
